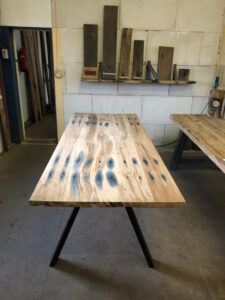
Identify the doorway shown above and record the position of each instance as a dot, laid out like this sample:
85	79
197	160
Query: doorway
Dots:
34	67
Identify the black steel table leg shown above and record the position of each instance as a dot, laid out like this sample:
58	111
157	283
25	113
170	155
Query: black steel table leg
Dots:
64	237
140	236
178	151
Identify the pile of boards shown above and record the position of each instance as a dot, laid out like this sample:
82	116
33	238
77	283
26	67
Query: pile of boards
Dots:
106	70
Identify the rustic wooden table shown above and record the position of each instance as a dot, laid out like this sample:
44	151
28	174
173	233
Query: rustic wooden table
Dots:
106	160
206	132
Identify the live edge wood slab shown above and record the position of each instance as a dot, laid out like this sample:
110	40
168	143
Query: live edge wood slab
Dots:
106	160
207	133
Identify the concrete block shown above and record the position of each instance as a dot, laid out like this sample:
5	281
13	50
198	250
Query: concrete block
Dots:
73	77
202	15
199	105
157	110
171	133
72	45
73	14
209	48
187	46
203	75
117	104
148	14
76	103
156	133
143	89
98	88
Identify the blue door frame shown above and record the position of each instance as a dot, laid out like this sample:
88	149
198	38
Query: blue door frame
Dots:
10	83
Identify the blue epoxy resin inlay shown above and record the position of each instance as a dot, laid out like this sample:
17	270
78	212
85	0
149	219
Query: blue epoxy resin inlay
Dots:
155	161
79	123
88	162
67	161
78	161
110	163
117	124
138	123
50	175
145	161
131	123
100	124
106	124
134	161
151	176
62	175
73	121
111	178
87	178
57	158
74	183
87	123
163	177
99	179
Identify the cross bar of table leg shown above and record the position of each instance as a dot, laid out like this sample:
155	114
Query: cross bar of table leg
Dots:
178	151
64	236
140	236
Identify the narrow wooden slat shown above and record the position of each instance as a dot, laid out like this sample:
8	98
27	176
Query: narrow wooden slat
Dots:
45	65
125	53
50	67
138	59
109	42
207	133
106	160
165	63
90	45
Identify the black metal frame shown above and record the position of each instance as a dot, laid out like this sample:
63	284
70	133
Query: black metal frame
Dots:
134	223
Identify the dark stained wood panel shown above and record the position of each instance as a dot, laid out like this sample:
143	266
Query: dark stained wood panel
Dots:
125	53
90	45
165	63
109	42
138	59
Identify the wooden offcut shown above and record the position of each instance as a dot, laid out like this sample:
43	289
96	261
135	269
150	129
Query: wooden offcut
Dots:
109	42
165	63
90	73
106	160
183	74
207	133
125	53
138	60
90	45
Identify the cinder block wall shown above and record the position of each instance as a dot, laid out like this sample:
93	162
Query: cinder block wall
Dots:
193	27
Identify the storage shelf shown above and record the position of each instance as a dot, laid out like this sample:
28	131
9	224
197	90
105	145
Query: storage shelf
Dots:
170	82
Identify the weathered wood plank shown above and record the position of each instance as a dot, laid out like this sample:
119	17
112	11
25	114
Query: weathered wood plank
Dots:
207	133
106	160
125	53
138	60
109	42
165	63
90	45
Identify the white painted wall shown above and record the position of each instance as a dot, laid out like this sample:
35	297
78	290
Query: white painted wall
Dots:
193	27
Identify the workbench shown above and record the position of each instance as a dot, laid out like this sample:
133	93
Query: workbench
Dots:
106	160
206	132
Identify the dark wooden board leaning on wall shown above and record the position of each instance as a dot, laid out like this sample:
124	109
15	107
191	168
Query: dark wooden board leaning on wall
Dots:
125	53
138	59
165	63
109	42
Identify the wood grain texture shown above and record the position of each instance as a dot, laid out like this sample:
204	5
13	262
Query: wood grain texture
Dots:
90	45
125	53
207	133
109	41
165	63
138	59
106	160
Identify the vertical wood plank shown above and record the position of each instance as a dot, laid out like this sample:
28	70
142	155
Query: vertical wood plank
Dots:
125	53
109	42
138	59
44	65
165	63
90	45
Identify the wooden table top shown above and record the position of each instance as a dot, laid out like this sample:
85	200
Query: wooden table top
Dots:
106	160
207	133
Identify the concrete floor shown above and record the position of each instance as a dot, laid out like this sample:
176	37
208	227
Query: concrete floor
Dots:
102	258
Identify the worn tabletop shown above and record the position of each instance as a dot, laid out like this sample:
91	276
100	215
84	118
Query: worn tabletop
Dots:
106	160
207	133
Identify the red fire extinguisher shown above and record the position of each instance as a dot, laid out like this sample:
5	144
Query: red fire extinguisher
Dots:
22	57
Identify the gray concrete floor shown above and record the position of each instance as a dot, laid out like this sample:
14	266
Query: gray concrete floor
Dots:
102	258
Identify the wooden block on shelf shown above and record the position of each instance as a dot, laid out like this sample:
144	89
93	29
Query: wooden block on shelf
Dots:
183	74
125	53
165	62
90	73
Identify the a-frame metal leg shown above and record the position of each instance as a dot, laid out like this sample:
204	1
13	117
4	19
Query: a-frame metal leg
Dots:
178	151
140	236
64	237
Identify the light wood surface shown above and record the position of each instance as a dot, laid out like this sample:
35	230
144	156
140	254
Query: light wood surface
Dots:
106	160
207	133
